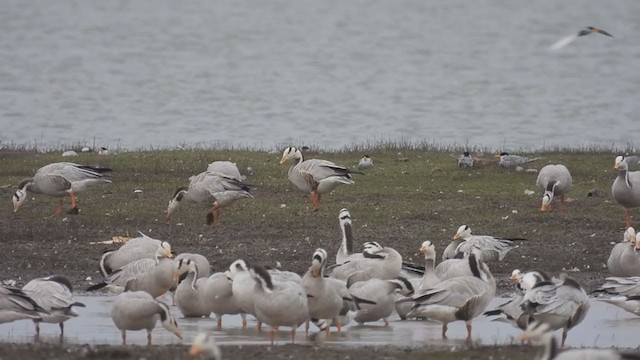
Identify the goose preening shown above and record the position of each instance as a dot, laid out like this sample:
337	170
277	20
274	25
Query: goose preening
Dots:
624	259
16	305
161	278
487	248
457	267
225	168
130	252
383	294
554	180
214	190
315	176
60	180
365	163
278	304
627	286
55	295
205	346
626	186
507	160
562	303
461	298
542	331
573	37
137	310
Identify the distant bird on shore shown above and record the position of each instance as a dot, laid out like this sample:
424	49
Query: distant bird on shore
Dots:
365	163
626	186
59	180
315	176
507	160
465	161
554	180
571	38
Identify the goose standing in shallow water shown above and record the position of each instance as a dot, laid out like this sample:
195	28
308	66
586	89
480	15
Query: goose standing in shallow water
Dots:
624	259
562	304
627	286
138	310
626	186
428	280
377	262
554	180
16	305
382	293
315	176
278	304
60	180
112	260
213	190
55	295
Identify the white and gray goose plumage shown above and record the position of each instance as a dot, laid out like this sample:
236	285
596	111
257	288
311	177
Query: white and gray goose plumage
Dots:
624	259
626	186
555	181
16	305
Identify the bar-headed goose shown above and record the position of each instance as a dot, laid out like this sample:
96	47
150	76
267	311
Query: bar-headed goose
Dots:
487	248
55	295
383	293
278	304
428	280
626	186
562	304
325	300
213	190
161	278
629	303
460	298
624	259
111	260
138	310
242	288
16	305
60	180
315	176
627	286
118	278
543	332
458	267
379	262
205	345
345	252
225	168
554	180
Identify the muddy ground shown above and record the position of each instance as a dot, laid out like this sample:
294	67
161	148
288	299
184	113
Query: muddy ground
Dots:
36	243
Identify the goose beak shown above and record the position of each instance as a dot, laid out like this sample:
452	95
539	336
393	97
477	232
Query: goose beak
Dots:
195	350
513	277
456	236
176	277
283	160
168	254
497	156
178	334
617	166
422	250
545	207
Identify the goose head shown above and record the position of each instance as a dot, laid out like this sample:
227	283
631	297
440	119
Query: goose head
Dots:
318	262
164	250
184	266
620	163
464	232
236	267
630	235
372	247
206	346
20	196
344	217
428	249
546	201
176	201
262	278
168	321
501	154
516	275
637	246
402	286
290	153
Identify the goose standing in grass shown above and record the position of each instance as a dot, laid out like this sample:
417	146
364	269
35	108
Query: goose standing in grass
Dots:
429	278
365	163
562	304
55	295
461	298
542	331
225	168
554	180
205	345
278	304
626	186
315	176
383	293
487	248
138	310
624	259
345	252
507	160
16	305
60	180
465	161
111	260
213	190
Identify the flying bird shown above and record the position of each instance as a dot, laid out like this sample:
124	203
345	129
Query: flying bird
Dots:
571	38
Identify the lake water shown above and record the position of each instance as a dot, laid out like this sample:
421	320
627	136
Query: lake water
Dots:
605	326
329	73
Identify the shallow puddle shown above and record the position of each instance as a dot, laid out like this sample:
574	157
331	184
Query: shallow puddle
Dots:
605	326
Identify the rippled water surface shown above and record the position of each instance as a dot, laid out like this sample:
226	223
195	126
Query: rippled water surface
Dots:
160	73
604	326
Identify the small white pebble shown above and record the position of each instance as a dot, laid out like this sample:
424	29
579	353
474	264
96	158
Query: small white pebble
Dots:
88	278
519	169
282	206
529	192
460	191
505	217
514	211
180	224
531	171
592	235
200	236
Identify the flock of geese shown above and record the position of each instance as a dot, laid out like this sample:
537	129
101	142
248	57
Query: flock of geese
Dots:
361	287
